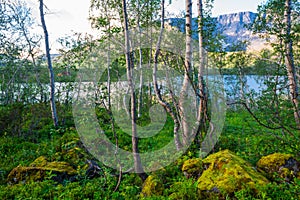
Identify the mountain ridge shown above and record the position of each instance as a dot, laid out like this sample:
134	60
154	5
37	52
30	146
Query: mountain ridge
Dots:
231	26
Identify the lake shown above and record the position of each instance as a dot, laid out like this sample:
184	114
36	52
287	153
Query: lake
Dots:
232	84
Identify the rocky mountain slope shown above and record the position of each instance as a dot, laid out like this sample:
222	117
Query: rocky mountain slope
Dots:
232	26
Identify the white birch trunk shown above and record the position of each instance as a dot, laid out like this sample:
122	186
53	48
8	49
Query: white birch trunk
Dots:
185	85
51	74
135	150
289	62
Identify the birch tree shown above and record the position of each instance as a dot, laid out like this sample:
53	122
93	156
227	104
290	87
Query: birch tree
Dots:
289	61
187	73
161	101
201	86
129	67
277	21
50	68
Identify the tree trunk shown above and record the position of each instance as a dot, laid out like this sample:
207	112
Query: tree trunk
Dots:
289	62
51	74
129	65
201	86
140	99
155	84
187	73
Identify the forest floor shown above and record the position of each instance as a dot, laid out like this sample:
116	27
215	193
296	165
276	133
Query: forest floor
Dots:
23	150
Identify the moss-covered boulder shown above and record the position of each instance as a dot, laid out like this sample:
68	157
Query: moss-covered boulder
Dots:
279	165
225	172
71	150
39	162
192	168
40	169
153	186
74	156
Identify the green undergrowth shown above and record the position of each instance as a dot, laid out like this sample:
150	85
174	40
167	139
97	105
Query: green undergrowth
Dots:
241	135
244	136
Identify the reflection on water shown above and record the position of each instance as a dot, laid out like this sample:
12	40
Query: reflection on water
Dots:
235	87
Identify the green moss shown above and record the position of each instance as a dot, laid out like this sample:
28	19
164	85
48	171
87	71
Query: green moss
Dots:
225	172
184	190
70	149
69	140
192	167
153	186
39	162
74	156
25	174
38	169
271	163
60	167
279	165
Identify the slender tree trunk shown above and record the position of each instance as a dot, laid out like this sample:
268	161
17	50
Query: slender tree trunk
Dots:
155	84
111	115
203	100
140	99
129	65
51	74
187	73
289	62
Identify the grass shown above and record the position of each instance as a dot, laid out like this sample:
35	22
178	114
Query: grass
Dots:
241	134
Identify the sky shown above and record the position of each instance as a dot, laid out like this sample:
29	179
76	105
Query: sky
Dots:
68	16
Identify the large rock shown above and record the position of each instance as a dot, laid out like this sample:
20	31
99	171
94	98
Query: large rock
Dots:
225	172
192	168
75	156
71	150
40	169
153	186
280	165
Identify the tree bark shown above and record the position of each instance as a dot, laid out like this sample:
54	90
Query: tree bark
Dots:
163	103
187	73
290	65
50	68
201	86
140	99
129	65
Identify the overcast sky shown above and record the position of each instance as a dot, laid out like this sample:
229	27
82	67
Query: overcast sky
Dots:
67	16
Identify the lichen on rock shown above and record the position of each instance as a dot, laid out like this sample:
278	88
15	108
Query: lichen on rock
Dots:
225	172
153	186
38	169
280	165
39	162
192	168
